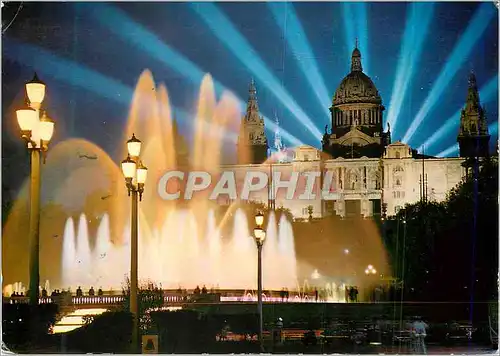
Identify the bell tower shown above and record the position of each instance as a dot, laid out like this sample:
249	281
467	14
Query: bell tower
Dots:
252	141
473	137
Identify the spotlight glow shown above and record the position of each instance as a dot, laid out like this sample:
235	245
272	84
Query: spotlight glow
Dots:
474	31
75	74
486	94
119	23
420	15
67	71
222	27
123	26
287	19
452	150
356	27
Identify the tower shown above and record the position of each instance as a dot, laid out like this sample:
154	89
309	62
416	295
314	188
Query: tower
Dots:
357	118
473	137
279	147
252	141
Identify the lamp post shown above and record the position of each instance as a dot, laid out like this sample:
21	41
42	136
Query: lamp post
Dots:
260	236
370	271
37	132
135	176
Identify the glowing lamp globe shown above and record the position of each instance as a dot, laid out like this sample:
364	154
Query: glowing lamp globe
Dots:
134	146
142	174
35	90
259	219
128	168
27	119
46	128
260	235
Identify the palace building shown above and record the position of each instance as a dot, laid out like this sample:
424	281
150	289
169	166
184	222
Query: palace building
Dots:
372	176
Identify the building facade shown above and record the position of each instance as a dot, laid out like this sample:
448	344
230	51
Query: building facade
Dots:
370	175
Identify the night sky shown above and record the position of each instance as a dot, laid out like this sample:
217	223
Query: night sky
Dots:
91	55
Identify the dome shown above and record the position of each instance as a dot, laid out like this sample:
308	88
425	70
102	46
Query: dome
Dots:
356	87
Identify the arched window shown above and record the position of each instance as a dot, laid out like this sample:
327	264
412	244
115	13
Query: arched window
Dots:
398	155
398	181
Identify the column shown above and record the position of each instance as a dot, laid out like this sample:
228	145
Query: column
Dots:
340	208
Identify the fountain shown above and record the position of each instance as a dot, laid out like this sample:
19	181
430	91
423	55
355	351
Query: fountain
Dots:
178	246
85	223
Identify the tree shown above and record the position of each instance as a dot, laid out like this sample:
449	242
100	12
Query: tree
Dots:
150	298
413	246
472	230
451	248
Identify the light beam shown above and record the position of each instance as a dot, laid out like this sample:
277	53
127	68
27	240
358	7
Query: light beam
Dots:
297	39
420	15
222	27
486	94
119	23
452	150
356	27
474	31
75	74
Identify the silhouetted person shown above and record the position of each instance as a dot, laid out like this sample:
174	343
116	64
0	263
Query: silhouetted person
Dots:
91	291
100	292
44	293
287	294
197	290
346	294
204	290
316	294
79	292
351	294
356	294
282	294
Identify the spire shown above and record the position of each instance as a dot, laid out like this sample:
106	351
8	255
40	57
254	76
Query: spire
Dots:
472	80
277	134
473	103
252	106
356	59
473	134
252	141
252	92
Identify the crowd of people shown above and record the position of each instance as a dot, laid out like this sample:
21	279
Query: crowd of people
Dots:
91	292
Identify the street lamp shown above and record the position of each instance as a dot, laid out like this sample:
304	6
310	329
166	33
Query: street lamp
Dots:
370	270
260	236
135	174
37	133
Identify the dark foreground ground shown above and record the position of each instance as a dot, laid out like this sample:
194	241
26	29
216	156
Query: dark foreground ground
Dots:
331	329
299	348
